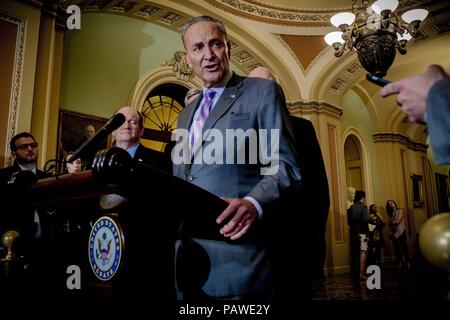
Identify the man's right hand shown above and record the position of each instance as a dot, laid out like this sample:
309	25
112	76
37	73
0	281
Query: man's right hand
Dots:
412	92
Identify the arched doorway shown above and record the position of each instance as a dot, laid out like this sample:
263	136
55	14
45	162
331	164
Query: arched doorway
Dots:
354	167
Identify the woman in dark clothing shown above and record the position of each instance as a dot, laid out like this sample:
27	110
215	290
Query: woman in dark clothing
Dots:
376	238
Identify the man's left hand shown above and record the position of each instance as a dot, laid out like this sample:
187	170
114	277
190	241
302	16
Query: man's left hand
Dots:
241	213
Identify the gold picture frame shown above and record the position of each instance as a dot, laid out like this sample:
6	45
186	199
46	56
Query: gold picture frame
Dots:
72	132
417	190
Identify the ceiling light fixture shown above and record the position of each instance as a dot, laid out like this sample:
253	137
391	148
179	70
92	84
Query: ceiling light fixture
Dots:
375	32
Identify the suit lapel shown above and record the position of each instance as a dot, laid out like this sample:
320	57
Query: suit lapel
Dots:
228	97
226	100
186	118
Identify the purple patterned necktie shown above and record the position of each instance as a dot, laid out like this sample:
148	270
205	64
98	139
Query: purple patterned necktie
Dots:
205	108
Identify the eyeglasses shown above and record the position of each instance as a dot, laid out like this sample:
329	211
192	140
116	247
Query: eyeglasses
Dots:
25	146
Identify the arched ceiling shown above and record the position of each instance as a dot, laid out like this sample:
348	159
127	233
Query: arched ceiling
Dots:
284	35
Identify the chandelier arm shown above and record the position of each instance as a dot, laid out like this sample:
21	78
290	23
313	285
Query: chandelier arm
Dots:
411	29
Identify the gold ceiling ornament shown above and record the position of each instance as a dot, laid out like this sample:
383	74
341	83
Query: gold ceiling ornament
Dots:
375	32
180	66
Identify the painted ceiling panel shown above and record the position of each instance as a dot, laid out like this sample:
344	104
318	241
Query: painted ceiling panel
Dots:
306	48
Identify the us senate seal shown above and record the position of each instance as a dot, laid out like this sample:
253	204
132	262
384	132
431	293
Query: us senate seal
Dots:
105	248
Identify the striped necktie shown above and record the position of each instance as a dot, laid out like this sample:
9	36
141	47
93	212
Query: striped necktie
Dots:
199	121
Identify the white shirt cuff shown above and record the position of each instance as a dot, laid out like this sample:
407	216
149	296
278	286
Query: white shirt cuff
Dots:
256	204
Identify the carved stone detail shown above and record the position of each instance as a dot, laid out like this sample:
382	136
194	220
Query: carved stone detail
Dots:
179	66
170	18
124	6
281	14
337	85
353	68
243	57
97	4
147	11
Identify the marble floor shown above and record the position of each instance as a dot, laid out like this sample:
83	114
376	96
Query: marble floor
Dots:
422	282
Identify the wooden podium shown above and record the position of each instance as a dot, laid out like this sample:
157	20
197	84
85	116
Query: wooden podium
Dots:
128	216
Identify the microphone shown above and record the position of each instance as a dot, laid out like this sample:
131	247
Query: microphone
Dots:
114	123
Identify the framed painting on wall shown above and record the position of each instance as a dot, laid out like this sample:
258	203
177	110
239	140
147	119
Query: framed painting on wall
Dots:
442	188
417	188
74	129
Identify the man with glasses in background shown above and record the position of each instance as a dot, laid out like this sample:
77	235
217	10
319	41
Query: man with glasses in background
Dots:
15	213
18	213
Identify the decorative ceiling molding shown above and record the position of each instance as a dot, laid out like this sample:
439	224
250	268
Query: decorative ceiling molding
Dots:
386	137
243	57
292	9
147	11
314	106
337	85
263	14
353	68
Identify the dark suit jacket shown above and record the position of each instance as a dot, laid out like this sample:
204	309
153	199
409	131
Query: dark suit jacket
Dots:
302	230
16	211
438	120
153	158
223	269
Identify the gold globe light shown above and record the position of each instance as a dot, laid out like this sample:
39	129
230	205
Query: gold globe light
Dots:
375	32
8	239
434	240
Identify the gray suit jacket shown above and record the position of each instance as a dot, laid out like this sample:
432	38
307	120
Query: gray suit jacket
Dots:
246	103
438	120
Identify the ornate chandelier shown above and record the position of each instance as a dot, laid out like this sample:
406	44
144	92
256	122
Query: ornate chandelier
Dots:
375	32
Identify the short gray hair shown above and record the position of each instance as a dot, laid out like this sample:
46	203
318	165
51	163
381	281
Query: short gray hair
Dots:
198	19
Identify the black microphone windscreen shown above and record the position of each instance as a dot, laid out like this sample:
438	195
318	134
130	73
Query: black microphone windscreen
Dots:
115	122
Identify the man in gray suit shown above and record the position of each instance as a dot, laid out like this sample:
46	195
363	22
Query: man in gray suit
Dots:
426	97
237	267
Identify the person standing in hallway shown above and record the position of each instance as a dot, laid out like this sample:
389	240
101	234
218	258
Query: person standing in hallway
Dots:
359	218
376	237
397	226
353	235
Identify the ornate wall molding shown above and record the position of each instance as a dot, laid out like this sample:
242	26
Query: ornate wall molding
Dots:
17	78
180	66
316	106
154	78
279	16
337	85
384	137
